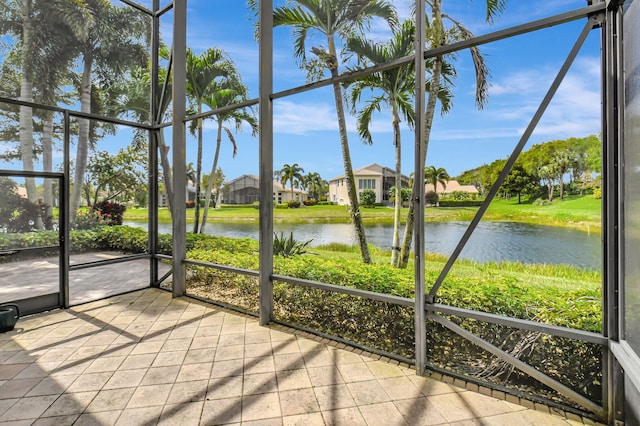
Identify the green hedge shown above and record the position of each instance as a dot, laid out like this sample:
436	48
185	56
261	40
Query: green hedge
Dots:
460	203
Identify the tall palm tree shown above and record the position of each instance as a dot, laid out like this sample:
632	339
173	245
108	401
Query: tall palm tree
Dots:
223	93
44	32
436	176
439	35
394	89
290	173
202	71
115	43
333	19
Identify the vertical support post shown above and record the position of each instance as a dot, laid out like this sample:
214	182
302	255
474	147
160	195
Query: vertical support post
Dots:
153	149
418	233
266	160
179	145
63	215
612	74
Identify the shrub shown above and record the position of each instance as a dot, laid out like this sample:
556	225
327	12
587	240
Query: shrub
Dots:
541	202
368	197
597	193
190	204
88	219
293	204
431	198
111	212
281	206
256	205
310	202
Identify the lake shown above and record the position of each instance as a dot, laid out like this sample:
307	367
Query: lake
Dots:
490	242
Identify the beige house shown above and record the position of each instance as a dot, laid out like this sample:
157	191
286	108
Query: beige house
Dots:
374	176
246	190
452	186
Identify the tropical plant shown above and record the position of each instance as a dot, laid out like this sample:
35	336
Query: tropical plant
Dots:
224	93
288	247
116	43
202	72
332	19
290	173
438	36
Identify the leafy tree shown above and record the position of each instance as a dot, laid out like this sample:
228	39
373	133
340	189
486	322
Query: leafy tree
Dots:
202	72
519	181
291	173
439	35
114	177
223	93
17	214
548	174
332	19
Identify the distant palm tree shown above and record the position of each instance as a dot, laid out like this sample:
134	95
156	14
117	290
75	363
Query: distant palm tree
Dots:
291	173
331	19
313	183
436	176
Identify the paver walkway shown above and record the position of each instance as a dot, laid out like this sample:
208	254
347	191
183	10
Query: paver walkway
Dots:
35	277
145	358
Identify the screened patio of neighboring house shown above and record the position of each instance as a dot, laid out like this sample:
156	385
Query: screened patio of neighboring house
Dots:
107	105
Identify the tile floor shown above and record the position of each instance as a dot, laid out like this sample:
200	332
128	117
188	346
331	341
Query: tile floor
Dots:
145	358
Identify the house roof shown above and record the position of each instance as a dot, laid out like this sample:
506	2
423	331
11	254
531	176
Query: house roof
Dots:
452	186
373	169
277	186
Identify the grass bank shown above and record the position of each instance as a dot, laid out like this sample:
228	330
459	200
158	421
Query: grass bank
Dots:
581	212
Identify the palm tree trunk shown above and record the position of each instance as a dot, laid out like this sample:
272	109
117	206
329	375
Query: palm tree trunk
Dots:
166	169
47	163
354	209
395	245
26	113
82	149
196	222
436	71
209	190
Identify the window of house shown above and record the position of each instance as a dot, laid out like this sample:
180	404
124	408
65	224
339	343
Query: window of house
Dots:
367	184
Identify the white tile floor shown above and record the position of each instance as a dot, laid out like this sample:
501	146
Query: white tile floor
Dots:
145	358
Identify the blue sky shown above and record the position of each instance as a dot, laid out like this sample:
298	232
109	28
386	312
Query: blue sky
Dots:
305	127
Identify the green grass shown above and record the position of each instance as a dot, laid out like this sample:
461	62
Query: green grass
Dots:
581	212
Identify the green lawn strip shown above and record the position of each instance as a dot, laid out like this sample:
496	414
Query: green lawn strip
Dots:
581	212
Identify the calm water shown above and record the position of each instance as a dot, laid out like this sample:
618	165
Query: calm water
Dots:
491	241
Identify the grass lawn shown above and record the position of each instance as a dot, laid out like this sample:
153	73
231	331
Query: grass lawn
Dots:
575	211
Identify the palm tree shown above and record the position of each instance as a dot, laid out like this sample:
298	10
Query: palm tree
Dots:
313	183
439	36
393	88
45	58
224	93
331	19
202	71
436	176
290	173
114	44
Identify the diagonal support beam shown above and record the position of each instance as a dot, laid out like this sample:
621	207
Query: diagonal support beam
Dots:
520	365
591	23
